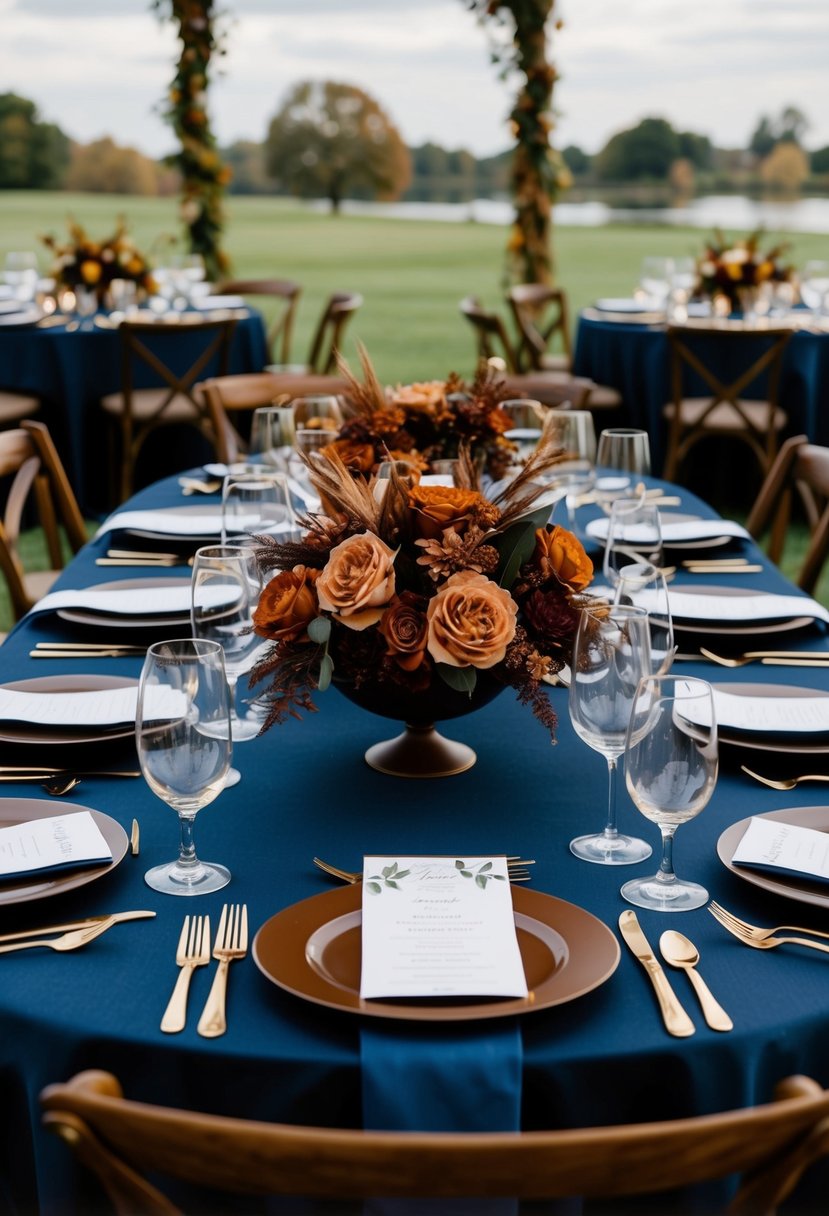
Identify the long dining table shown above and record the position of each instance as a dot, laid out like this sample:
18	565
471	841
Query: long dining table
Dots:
305	791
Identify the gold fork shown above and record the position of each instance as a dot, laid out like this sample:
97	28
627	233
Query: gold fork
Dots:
67	941
193	951
231	943
515	867
779	658
755	931
766	943
788	783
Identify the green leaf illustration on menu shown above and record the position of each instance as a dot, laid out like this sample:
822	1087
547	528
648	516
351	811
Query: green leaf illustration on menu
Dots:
481	876
388	878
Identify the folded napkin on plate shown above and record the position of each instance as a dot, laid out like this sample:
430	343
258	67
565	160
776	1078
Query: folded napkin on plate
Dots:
769	844
168	523
681	530
58	843
98	707
769	715
152	601
688	606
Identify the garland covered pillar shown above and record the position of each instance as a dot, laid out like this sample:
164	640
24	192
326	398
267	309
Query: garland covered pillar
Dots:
203	175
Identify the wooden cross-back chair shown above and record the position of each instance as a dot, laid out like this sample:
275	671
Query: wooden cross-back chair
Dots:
316	377
281	326
803	467
724	411
138	412
494	346
121	1141
541	317
29	457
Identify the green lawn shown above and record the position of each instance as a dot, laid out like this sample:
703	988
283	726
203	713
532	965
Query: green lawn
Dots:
411	273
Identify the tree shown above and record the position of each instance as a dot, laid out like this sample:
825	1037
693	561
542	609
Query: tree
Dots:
576	160
789	127
329	139
644	151
763	138
696	148
105	168
203	175
33	154
538	172
246	160
786	167
820	160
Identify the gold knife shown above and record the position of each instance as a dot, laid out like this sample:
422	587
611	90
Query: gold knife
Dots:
674	1016
117	918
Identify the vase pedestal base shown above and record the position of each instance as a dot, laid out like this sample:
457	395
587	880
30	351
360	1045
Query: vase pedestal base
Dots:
420	751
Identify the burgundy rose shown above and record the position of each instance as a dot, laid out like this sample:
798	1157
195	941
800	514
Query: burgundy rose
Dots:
550	616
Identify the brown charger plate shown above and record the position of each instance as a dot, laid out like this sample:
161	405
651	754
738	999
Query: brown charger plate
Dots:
30	732
735	629
313	950
757	740
19	890
787	885
103	620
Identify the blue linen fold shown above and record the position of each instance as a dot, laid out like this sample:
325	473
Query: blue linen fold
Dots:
442	1078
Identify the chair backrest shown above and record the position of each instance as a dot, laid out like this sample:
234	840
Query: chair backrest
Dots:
228	395
141	344
328	336
281	326
121	1140
29	456
802	466
492	339
541	316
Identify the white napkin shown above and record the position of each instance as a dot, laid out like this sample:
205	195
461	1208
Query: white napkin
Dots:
769	844
98	707
689	529
144	601
686	606
52	844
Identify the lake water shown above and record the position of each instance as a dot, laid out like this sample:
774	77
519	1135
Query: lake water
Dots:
727	211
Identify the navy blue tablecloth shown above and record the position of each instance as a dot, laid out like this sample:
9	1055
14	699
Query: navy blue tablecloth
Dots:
633	358
71	369
306	790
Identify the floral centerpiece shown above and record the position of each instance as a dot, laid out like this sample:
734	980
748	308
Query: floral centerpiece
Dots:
84	263
416	595
424	422
733	270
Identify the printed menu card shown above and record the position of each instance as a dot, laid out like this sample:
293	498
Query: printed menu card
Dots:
52	844
768	844
439	926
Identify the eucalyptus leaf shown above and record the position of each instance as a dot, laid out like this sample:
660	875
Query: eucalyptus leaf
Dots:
326	672
374	888
462	679
480	880
319	630
391	883
403	873
459	865
486	866
466	873
500	877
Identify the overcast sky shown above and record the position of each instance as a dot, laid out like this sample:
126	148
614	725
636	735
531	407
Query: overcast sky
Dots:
101	67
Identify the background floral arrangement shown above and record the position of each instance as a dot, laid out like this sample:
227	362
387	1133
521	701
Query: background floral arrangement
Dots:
726	269
423	422
82	262
429	584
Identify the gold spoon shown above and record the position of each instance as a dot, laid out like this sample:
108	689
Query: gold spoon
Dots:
680	952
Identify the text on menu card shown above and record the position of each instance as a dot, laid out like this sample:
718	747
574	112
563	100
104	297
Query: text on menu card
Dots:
52	844
439	926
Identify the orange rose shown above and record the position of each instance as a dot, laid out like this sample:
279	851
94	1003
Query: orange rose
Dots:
359	457
439	507
90	272
358	580
471	621
559	554
425	397
287	605
404	627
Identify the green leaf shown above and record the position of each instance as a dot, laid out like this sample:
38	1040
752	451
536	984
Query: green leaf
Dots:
459	865
480	881
389	870
374	888
462	679
391	883
486	866
520	542
326	672
319	630
466	873
403	873
500	877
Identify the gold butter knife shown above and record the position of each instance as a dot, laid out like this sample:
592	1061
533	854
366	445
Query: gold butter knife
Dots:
674	1016
68	926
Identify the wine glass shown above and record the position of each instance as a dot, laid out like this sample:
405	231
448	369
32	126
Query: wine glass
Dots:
643	585
625	449
225	589
575	433
611	654
313	413
182	732
21	274
256	504
634	534
526	423
272	434
670	771
655	279
814	286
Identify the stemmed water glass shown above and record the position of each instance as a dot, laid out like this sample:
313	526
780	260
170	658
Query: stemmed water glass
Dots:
182	732
272	434
323	413
643	585
611	654
256	504
574	432
670	771
225	587
625	449
634	535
